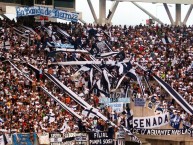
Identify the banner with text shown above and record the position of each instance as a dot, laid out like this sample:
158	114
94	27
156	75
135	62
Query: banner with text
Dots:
71	138
55	138
151	121
162	131
46	11
100	138
25	138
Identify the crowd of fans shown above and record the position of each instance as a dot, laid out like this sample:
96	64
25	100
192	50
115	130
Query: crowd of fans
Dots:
165	50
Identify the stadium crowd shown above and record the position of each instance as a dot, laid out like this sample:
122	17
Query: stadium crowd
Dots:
165	50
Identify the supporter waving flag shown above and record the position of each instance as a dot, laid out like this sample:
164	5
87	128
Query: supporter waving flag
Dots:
105	81
175	120
132	74
98	87
147	82
127	70
119	82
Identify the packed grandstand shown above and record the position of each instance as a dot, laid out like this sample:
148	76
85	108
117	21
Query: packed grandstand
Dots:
55	77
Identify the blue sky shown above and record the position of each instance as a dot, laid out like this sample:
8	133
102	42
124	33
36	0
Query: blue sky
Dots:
129	14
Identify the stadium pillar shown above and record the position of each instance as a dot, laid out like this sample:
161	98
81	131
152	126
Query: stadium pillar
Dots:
178	14
102	12
92	11
148	13
168	12
187	15
112	11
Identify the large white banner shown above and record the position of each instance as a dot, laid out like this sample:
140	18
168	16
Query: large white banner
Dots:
46	11
151	121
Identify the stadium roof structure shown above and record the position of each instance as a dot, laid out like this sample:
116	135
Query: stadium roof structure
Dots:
177	21
159	1
106	18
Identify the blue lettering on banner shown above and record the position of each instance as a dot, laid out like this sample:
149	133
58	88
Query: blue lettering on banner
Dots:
46	11
19	13
38	11
61	16
55	13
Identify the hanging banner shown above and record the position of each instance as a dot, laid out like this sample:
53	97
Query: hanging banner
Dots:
100	138
151	121
111	100
81	137
139	102
46	11
59	45
55	138
21	139
162	131
71	138
116	106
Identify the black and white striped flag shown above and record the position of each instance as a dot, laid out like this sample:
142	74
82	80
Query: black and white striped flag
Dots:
175	95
